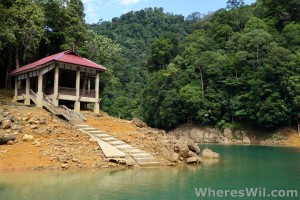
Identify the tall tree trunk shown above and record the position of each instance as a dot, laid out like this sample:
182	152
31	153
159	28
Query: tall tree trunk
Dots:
257	60
17	58
8	78
201	79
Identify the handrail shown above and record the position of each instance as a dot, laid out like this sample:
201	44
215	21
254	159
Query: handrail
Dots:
61	110
74	112
32	93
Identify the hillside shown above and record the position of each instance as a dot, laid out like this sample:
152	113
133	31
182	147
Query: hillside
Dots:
238	66
235	67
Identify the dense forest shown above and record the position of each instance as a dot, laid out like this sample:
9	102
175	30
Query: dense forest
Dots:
239	65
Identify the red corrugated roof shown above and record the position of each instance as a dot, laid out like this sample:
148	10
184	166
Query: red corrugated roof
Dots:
70	57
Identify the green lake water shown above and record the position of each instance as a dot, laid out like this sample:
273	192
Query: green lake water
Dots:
275	168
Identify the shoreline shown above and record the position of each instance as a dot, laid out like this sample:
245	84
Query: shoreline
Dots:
55	145
119	167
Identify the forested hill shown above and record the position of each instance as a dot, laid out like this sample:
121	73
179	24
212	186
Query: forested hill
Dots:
236	66
135	32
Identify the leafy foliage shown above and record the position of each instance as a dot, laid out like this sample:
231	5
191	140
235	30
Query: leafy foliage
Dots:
238	65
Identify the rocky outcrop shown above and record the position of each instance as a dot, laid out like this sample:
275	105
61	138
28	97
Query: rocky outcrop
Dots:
171	148
208	153
211	135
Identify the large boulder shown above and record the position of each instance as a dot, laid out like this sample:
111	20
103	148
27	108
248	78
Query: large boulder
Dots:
208	153
4	138
170	155
182	149
6	124
194	147
193	160
139	123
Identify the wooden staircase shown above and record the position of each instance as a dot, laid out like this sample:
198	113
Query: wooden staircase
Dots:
70	115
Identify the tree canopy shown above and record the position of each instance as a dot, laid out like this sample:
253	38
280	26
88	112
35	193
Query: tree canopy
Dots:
239	64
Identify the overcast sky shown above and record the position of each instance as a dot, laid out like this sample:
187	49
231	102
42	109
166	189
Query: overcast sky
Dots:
107	9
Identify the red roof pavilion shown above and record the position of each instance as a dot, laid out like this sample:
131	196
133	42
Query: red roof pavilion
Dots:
68	57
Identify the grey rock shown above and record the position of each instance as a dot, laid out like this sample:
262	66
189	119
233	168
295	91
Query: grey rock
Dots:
6	124
139	123
192	160
25	118
169	155
64	166
33	126
27	138
5	113
10	142
194	147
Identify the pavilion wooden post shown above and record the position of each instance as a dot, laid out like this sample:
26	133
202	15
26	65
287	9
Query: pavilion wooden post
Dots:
77	101
27	97
55	91
97	102
39	95
16	88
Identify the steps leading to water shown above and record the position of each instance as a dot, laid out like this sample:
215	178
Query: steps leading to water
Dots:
112	147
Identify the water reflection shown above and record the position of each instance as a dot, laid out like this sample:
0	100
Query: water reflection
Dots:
93	185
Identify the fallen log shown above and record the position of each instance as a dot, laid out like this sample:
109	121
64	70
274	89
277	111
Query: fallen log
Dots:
4	138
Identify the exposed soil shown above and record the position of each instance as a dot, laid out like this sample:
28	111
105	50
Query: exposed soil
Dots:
57	145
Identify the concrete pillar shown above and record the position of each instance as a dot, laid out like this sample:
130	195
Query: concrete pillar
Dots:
77	101
55	89
97	103
39	95
27	97
89	84
84	85
16	88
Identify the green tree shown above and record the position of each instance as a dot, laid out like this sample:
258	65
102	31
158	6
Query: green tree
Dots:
192	97
99	48
26	20
292	36
256	44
